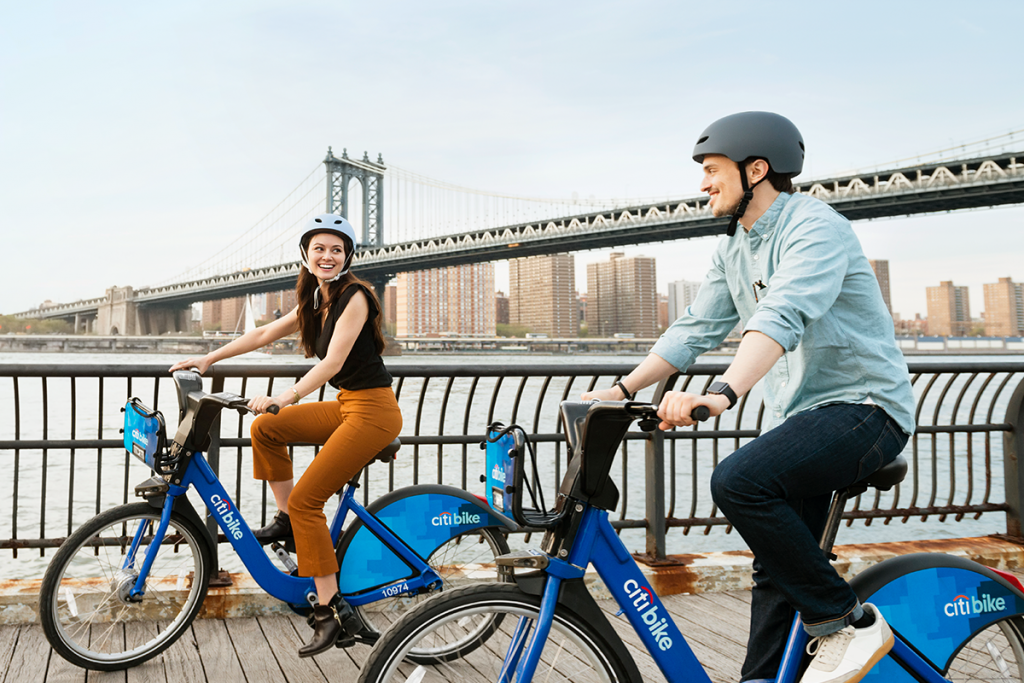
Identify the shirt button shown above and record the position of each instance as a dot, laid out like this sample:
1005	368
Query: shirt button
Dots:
756	257
783	384
778	414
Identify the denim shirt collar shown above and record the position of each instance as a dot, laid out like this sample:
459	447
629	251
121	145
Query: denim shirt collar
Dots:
765	225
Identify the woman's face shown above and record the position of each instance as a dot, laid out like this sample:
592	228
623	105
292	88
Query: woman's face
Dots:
326	255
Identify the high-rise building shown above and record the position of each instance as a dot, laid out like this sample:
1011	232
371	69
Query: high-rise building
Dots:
949	311
622	297
881	268
452	300
681	294
1004	308
501	308
542	294
390	304
663	321
224	315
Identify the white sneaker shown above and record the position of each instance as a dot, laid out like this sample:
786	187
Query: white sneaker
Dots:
846	656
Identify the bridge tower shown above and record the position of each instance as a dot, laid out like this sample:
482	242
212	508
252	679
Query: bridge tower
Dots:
340	173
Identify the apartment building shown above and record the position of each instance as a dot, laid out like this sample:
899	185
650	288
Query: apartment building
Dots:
949	310
622	297
542	294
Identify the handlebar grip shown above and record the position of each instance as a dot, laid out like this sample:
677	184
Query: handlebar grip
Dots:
700	413
274	409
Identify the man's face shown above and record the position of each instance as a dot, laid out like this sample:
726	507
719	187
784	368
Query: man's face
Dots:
722	183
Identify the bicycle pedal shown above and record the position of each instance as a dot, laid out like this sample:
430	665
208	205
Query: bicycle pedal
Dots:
285	558
345	641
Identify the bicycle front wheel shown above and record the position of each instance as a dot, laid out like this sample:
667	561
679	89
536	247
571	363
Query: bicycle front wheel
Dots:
85	609
573	652
464	560
995	654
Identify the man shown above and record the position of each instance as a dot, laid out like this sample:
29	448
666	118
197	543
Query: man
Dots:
836	388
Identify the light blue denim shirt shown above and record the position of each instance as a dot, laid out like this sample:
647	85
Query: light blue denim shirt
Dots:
820	301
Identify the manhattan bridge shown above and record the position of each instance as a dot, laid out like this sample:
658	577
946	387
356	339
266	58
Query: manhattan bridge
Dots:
408	222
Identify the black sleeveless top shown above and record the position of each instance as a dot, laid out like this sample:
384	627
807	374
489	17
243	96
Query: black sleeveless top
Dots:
364	368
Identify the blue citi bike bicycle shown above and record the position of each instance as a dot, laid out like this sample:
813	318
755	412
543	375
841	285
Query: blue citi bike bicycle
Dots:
953	619
129	582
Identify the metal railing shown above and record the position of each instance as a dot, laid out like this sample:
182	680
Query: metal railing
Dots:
59	441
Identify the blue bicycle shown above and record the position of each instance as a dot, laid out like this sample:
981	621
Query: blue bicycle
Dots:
129	582
953	619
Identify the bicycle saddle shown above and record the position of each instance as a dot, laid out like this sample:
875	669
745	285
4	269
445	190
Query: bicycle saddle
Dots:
387	454
888	476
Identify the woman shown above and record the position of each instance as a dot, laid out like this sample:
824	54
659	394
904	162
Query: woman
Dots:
338	318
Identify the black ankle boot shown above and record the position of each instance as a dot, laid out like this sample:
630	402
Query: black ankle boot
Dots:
280	528
331	622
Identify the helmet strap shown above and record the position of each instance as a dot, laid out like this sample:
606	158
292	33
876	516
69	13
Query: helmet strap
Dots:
748	194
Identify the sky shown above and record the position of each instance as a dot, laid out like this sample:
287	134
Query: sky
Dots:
137	138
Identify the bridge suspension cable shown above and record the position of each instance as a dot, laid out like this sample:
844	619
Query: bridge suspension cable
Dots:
1002	142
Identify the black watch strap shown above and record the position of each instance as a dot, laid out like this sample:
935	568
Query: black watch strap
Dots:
723	389
625	392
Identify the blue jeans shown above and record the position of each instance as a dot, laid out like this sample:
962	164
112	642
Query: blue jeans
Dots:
776	491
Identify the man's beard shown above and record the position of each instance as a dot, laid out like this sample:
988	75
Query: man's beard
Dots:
719	209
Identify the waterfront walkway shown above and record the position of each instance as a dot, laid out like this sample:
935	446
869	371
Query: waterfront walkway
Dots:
263	649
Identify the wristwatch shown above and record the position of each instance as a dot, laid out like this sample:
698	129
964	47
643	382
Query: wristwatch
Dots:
723	389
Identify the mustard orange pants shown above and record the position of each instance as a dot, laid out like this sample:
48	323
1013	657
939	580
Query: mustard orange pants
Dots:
352	429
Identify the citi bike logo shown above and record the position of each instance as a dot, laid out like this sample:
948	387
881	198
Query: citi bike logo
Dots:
965	606
642	603
140	437
231	522
498	472
449	519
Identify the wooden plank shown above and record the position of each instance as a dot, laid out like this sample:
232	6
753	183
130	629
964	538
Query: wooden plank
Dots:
218	651
284	643
8	641
337	665
258	662
715	621
110	638
181	660
30	658
152	671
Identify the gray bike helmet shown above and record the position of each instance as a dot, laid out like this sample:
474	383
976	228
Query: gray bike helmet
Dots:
757	134
336	225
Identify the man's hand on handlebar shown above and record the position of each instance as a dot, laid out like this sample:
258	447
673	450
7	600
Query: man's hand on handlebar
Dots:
265	404
676	406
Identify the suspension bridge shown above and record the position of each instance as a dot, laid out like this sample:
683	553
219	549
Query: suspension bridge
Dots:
432	224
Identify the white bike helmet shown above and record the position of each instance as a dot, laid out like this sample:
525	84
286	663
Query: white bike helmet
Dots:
335	225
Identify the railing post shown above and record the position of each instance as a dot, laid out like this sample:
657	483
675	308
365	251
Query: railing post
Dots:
1013	471
654	474
213	458
655	487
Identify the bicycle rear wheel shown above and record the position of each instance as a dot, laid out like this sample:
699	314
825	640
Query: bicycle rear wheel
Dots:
493	618
995	654
464	560
84	606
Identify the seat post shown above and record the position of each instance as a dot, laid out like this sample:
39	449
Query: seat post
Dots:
835	516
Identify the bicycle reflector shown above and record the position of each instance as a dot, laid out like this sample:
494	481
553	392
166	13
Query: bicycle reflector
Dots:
145	434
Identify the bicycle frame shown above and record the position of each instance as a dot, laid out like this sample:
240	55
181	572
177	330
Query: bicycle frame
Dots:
597	543
296	590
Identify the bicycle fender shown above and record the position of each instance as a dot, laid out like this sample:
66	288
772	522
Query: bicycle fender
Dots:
936	603
425	517
184	507
574	596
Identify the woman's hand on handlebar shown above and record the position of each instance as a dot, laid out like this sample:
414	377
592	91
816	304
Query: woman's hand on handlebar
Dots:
265	404
613	394
201	364
675	408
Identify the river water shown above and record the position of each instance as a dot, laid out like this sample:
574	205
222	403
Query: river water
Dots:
98	481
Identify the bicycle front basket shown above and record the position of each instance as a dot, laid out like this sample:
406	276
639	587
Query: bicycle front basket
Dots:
145	435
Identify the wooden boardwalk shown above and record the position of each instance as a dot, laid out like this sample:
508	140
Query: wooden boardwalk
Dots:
263	649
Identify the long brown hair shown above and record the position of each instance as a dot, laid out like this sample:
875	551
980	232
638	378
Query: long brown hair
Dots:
304	289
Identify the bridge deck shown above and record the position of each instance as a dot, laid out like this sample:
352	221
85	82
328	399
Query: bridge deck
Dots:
263	649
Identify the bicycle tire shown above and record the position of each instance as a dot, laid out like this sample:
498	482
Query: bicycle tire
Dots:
994	654
450	560
574	651
81	605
